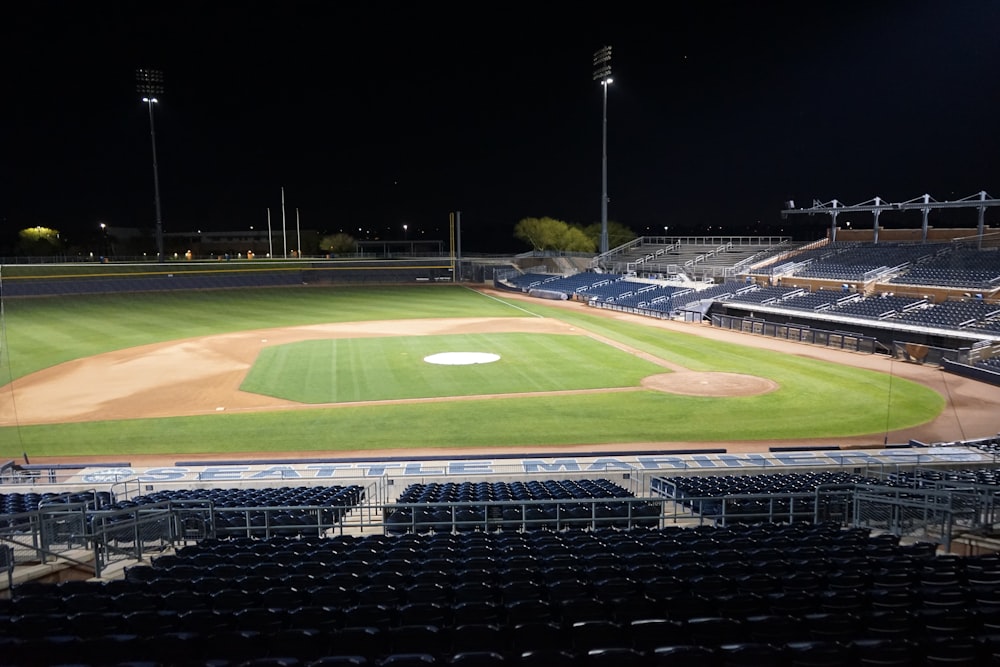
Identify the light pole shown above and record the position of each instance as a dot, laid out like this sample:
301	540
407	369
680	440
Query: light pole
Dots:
149	84
602	73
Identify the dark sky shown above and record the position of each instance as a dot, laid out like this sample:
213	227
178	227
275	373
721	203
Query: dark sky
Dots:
380	114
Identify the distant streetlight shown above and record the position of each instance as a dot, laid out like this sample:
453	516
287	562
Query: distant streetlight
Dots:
149	84
602	73
404	232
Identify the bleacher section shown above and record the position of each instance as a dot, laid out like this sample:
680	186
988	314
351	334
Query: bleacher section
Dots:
526	281
817	496
955	315
855	261
758	569
693	258
491	506
751	594
846	282
619	292
951	314
721	291
263	512
764	295
19	509
956	267
585	281
662	299
875	307
817	301
930	275
878	307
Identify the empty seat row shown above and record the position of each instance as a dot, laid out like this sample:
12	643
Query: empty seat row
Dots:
261	497
435	492
632	595
703	641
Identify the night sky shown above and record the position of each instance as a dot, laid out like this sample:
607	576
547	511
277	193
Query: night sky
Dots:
378	114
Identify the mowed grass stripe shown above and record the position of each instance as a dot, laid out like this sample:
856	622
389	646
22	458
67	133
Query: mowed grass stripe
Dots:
642	416
373	369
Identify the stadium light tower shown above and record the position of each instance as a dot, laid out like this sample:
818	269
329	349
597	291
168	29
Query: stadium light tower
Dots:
149	84
602	73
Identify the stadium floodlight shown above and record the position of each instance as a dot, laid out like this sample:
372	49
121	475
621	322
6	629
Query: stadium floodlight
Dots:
149	84
602	73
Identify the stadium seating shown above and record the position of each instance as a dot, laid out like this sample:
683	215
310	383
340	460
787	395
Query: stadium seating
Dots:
965	268
816	301
765	496
494	506
261	512
745	594
554	572
764	295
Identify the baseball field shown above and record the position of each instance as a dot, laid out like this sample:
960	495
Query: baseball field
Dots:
327	370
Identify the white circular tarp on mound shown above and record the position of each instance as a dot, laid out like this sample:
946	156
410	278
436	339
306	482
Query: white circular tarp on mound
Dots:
462	358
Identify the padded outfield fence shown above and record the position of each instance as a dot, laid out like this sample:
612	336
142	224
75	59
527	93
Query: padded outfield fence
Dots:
70	279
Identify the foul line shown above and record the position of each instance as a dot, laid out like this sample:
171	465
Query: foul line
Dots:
506	303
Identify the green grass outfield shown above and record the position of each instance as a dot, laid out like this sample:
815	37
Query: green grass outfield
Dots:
816	399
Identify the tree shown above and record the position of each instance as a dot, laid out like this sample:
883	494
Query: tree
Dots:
338	244
575	240
618	234
551	234
39	241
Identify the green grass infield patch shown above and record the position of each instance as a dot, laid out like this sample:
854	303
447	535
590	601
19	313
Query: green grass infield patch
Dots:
384	368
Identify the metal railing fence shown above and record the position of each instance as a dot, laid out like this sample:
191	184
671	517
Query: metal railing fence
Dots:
938	514
932	508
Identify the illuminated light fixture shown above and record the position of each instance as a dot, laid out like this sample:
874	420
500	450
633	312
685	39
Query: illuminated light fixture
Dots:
149	83
602	73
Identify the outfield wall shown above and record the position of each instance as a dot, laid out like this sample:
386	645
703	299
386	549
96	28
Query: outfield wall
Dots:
69	279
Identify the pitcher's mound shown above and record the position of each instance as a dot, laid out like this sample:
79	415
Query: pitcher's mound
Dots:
709	384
